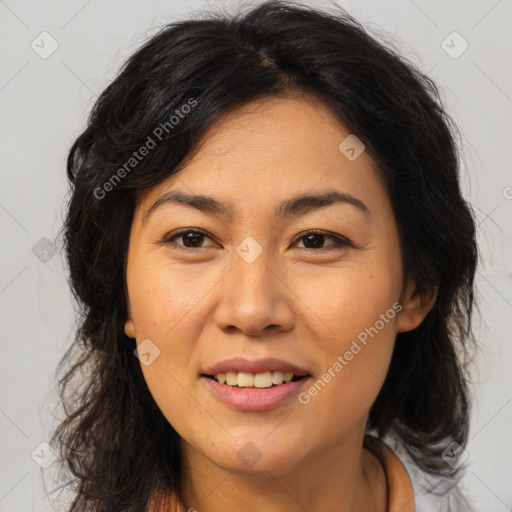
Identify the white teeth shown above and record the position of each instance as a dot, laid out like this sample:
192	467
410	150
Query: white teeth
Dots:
277	377
258	380
231	378
261	380
246	379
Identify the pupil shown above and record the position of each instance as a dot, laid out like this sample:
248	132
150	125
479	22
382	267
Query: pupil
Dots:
314	236
192	237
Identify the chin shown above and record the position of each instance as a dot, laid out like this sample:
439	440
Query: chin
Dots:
255	456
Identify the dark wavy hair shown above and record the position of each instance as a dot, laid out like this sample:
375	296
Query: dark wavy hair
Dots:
121	451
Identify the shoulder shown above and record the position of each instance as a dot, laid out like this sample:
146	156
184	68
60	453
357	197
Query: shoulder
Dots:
412	488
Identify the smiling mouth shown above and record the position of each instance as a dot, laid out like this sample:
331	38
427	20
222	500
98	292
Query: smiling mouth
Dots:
263	380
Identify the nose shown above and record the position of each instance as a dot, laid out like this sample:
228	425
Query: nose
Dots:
254	299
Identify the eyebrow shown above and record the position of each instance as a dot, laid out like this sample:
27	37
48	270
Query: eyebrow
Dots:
294	206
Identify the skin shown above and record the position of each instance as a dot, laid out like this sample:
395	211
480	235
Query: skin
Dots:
303	303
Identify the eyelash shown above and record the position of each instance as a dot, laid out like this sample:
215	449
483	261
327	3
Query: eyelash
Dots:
340	242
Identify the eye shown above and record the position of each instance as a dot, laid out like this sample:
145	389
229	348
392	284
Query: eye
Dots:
312	240
316	238
191	238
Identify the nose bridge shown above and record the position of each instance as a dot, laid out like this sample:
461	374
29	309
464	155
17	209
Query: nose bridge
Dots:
253	296
251	274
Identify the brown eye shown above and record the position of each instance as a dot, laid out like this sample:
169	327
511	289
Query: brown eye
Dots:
191	239
316	239
312	240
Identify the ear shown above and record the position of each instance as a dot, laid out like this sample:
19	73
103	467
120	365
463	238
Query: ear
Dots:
129	327
415	308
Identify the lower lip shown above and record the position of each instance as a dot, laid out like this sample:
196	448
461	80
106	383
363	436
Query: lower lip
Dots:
255	399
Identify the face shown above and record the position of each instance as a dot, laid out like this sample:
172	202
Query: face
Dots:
315	284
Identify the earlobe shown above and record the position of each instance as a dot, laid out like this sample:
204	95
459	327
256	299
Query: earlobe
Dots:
415	308
129	328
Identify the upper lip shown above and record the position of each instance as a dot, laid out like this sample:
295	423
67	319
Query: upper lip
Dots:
268	364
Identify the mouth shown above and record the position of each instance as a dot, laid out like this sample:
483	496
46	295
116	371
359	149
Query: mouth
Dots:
262	391
255	384
263	380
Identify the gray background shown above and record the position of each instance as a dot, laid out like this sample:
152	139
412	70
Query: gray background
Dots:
44	103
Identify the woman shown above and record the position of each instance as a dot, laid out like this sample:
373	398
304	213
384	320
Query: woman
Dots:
274	264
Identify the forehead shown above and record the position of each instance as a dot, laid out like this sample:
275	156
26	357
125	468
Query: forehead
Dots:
273	127
273	148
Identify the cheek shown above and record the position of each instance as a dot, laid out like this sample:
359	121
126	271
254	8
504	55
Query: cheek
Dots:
348	300
168	308
355	312
163	296
354	369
